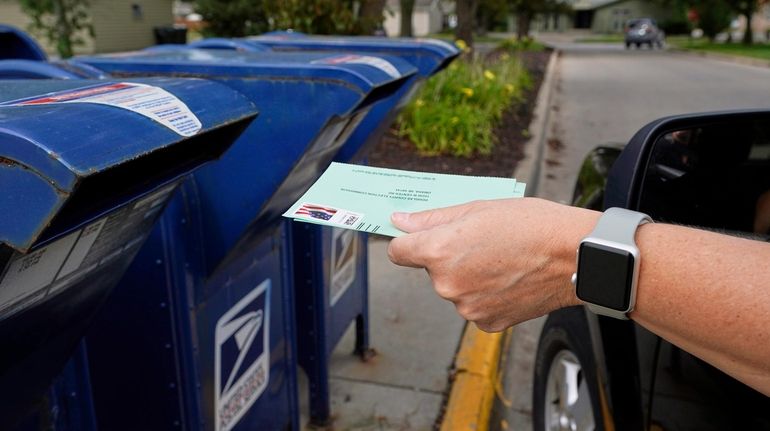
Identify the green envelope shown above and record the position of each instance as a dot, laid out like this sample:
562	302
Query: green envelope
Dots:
363	197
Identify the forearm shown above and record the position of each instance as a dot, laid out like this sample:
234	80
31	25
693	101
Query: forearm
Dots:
707	293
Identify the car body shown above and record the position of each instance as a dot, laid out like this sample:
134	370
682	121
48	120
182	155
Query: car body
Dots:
643	31
598	373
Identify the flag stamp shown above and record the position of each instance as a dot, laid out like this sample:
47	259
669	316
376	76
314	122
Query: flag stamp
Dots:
327	214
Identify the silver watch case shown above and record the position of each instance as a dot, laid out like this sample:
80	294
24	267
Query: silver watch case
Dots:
606	311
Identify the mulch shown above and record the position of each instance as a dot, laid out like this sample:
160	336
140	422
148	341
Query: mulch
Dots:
399	153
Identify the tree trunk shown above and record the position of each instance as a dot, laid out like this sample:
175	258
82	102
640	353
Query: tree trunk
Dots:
371	14
407	7
748	35
466	14
523	21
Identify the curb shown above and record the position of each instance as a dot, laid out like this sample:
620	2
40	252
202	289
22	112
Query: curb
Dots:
473	389
476	366
530	167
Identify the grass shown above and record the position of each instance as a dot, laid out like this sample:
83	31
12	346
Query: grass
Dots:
451	37
757	50
602	38
455	113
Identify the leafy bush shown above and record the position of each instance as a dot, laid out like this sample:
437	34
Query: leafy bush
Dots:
456	111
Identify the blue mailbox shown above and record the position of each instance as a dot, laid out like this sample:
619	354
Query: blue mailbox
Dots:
34	69
85	169
222	256
334	261
16	44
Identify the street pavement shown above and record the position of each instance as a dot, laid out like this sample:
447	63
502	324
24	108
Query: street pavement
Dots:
600	93
603	93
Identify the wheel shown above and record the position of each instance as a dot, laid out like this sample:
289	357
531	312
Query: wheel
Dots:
638	45
565	390
649	45
628	45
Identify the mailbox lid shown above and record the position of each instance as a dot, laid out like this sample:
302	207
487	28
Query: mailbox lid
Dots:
16	44
428	55
61	139
363	72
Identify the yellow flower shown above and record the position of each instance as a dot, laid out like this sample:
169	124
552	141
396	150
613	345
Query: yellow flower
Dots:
461	44
489	75
505	56
509	88
467	91
419	102
455	120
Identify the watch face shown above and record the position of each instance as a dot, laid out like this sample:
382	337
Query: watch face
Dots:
604	275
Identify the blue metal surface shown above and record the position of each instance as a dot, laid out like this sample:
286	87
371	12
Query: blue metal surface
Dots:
42	150
33	69
77	203
276	160
321	266
168	358
15	44
224	238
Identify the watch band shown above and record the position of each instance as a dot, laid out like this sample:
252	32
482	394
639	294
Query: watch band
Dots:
619	226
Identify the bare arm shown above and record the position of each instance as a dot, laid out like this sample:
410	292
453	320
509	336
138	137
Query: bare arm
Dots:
504	262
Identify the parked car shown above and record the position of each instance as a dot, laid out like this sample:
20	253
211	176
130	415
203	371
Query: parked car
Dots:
644	31
597	373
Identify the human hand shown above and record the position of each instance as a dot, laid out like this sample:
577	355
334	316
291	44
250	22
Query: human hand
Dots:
500	262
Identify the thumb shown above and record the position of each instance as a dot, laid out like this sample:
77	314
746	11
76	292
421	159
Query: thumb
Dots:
424	220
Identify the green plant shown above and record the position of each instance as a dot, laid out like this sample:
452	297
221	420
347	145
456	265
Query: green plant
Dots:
62	22
455	113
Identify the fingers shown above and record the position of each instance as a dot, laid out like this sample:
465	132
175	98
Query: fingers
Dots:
424	220
407	250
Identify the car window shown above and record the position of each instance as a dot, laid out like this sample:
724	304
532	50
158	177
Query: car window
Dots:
713	177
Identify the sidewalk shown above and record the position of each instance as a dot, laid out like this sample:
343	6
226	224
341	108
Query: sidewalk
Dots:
417	335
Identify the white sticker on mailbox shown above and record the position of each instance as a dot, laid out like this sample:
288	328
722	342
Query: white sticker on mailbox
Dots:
376	62
242	356
343	262
152	102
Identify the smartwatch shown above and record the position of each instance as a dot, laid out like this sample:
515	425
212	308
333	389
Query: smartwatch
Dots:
608	264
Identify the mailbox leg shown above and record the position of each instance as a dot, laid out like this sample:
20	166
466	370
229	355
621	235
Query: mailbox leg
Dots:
320	410
363	349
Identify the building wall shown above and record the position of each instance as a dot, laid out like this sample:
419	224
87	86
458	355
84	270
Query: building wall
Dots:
116	27
611	18
424	22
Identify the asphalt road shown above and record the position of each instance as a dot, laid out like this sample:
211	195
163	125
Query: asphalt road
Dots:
604	94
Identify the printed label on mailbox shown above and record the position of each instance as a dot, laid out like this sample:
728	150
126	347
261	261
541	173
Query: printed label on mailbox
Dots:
343	273
376	62
242	356
30	278
152	102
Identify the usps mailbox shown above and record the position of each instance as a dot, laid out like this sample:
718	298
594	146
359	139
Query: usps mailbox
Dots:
229	359
86	167
16	44
334	261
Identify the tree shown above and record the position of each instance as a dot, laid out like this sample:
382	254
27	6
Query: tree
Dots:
407	9
527	10
232	18
747	8
713	16
466	20
61	22
371	15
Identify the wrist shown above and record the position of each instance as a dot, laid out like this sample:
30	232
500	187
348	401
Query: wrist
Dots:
581	223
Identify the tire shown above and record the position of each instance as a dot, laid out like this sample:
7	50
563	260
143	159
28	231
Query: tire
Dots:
638	45
628	45
565	368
